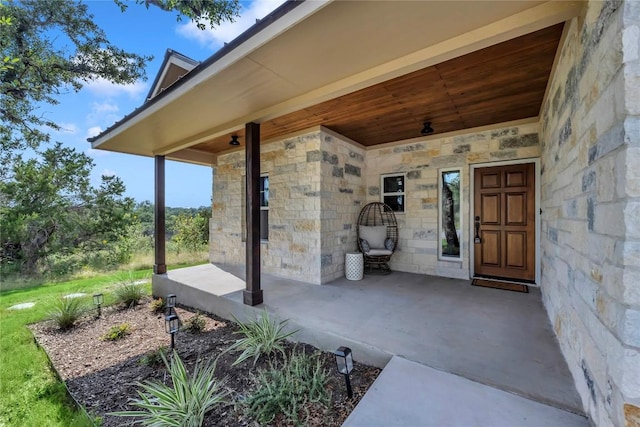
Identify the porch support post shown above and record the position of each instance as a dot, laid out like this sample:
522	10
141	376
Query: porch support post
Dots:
253	293
160	265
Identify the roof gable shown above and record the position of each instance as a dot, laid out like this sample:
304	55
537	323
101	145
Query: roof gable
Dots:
174	66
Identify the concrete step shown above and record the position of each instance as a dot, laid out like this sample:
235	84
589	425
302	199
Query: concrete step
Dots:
410	394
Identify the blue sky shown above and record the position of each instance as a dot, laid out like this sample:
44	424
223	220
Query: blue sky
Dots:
99	104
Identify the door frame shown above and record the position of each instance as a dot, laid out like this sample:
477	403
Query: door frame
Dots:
473	167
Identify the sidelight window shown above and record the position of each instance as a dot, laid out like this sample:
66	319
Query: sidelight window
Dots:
450	224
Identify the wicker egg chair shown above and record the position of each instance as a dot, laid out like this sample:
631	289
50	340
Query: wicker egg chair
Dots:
376	243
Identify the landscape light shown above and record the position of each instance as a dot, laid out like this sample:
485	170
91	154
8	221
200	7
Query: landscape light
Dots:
171	304
344	363
98	299
172	324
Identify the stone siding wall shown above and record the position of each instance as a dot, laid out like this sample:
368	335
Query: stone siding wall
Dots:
417	250
316	191
590	225
343	193
293	249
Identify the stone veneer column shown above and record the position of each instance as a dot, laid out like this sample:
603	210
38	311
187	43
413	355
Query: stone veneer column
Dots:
341	198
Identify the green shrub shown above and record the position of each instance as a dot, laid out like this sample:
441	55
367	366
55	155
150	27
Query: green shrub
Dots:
157	305
260	337
117	332
153	358
290	390
185	403
195	324
66	311
128	292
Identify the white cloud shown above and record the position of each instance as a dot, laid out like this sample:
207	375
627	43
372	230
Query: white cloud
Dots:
228	31
104	107
108	173
93	131
96	153
102	114
105	88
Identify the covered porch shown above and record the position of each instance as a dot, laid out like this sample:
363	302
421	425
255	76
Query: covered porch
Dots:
494	337
419	89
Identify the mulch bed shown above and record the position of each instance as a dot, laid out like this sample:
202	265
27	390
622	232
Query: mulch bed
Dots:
102	375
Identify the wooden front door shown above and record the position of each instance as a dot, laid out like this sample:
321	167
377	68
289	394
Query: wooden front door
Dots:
504	222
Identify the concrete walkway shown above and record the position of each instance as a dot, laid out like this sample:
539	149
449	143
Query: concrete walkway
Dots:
498	338
409	394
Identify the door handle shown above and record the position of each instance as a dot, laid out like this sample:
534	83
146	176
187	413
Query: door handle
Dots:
477	238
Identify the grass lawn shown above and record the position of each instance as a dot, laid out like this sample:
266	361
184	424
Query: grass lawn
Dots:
32	395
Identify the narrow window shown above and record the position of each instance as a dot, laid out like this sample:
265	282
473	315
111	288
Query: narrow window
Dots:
264	208
450	217
393	191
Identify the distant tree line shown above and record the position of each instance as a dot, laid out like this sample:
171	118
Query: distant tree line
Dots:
53	221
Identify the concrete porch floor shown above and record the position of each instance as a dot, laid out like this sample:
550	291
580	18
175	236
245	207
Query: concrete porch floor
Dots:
495	337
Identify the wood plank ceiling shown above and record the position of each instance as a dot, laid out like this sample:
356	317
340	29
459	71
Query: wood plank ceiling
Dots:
497	84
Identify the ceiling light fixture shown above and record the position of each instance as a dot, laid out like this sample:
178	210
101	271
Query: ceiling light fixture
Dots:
234	140
427	129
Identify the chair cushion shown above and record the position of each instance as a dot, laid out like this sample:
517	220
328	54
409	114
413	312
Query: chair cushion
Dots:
389	244
375	235
365	245
373	252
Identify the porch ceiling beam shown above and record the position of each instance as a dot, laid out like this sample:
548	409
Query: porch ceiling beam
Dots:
252	295
192	155
530	20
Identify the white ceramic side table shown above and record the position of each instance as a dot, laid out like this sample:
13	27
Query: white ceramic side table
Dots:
354	265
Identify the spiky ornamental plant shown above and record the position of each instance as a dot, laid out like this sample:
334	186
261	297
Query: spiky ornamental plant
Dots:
291	390
183	404
129	292
66	311
262	336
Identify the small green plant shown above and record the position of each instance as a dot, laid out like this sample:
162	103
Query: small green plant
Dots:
157	305
185	403
153	358
195	324
66	311
260	337
117	332
290	390
95	419
129	293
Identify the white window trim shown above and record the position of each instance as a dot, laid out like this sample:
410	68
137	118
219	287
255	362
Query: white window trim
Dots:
440	216
266	208
395	193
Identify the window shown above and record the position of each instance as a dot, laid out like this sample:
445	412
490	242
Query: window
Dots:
393	191
264	208
450	217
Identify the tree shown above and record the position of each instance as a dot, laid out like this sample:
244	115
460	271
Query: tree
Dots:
54	47
50	206
191	231
199	11
51	47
